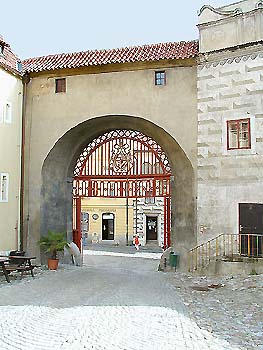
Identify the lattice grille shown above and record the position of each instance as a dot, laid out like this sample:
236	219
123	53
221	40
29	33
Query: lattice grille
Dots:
122	153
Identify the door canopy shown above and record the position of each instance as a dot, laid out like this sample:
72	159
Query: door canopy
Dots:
122	163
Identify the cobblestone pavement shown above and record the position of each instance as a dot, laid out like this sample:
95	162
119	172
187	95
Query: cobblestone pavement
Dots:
111	303
229	306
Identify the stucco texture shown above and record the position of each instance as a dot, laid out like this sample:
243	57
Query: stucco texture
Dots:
60	125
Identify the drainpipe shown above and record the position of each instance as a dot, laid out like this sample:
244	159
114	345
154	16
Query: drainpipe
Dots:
25	80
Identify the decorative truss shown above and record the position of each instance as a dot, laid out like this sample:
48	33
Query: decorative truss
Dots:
122	153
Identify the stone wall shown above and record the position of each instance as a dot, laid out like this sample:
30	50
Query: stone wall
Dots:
230	86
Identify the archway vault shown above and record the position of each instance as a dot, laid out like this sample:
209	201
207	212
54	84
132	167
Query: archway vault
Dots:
59	165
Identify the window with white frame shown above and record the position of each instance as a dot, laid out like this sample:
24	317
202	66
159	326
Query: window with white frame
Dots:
7	113
238	134
4	182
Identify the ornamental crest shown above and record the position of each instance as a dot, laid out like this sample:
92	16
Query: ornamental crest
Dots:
121	159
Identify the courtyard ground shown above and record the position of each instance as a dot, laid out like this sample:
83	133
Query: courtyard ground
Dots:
119	301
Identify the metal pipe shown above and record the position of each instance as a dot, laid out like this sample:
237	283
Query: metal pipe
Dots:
25	80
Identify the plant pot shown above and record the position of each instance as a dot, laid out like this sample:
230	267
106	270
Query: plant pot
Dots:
52	264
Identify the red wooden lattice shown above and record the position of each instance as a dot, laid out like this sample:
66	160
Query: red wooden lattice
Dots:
123	164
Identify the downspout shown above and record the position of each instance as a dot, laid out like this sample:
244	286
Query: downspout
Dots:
25	80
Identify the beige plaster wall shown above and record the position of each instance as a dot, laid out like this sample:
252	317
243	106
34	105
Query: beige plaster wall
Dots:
11	89
132	93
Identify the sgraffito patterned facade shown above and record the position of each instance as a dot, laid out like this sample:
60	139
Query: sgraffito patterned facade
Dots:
228	89
229	92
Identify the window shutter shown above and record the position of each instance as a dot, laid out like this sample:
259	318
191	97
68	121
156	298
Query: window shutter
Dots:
60	85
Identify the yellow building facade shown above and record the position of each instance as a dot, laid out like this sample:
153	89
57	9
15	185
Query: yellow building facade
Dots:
108	220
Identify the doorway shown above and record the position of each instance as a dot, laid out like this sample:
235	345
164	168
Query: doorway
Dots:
151	228
108	227
251	228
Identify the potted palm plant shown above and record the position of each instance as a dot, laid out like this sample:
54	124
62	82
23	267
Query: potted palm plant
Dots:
52	243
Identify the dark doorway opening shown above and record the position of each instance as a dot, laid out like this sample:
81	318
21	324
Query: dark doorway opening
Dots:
151	228
251	229
108	227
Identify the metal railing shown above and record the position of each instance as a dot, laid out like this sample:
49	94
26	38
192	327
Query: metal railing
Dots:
227	246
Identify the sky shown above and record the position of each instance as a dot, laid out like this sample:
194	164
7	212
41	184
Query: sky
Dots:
37	28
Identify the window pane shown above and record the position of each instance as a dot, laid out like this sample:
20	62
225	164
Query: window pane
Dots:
149	200
233	135
244	135
159	78
239	134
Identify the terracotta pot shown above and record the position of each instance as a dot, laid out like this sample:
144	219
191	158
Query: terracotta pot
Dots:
52	264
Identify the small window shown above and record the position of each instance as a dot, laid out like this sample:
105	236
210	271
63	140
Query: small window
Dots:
60	85
4	181
7	113
238	134
160	78
1	49
19	66
149	199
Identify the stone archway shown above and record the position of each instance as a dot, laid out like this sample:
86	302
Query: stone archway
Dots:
58	167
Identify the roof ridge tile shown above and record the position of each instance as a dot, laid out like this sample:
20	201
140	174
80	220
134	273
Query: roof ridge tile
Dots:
148	52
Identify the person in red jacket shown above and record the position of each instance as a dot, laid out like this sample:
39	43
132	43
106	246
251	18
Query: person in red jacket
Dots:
136	242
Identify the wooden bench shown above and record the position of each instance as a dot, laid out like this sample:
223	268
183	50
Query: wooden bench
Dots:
20	264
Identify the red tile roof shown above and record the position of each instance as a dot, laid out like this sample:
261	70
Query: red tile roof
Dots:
156	52
8	59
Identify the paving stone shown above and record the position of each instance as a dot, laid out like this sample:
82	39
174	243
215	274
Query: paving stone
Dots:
112	303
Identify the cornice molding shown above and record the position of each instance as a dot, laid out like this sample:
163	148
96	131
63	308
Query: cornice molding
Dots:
205	64
236	11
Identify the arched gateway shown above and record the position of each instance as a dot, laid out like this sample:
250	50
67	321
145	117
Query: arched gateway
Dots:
123	164
59	170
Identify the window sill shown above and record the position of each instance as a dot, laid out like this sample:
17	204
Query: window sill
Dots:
240	152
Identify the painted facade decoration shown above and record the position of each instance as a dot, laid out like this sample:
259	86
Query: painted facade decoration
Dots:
200	101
